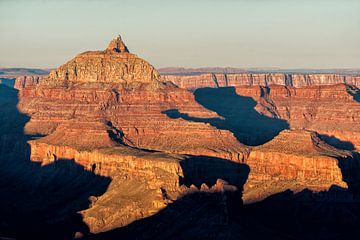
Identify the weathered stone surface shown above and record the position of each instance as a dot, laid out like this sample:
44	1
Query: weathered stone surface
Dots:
114	65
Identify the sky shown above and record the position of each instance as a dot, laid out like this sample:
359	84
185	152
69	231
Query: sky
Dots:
185	33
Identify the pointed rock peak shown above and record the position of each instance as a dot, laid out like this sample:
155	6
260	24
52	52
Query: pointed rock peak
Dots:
117	45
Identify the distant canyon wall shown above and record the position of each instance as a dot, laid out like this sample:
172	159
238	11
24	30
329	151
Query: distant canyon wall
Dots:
259	79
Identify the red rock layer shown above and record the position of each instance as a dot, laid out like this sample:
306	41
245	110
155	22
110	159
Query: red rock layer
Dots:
259	79
107	161
329	110
137	115
293	160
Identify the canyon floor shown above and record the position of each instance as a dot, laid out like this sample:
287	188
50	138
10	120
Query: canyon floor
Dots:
106	147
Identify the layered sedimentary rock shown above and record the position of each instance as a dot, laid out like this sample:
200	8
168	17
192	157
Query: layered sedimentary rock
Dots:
329	110
259	79
137	115
294	160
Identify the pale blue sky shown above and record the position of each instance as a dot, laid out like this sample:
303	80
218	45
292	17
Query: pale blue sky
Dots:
186	33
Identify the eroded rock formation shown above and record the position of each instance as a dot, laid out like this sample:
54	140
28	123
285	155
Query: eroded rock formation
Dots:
114	65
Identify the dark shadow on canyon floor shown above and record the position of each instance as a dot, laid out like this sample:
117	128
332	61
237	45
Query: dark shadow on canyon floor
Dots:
336	142
39	202
354	91
332	214
204	169
349	165
350	170
237	114
9	82
357	97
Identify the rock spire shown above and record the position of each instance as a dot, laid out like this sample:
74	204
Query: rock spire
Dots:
117	45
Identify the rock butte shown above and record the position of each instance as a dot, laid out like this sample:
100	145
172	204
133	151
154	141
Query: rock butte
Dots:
114	65
111	113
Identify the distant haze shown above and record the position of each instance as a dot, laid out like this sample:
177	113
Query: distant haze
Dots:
185	33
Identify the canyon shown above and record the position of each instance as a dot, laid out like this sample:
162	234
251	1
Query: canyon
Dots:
104	147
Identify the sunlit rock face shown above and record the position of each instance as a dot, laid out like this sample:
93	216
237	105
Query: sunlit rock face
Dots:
259	79
113	65
294	160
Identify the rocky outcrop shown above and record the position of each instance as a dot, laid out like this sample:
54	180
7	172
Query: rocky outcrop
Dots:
114	65
117	45
259	79
293	160
26	81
